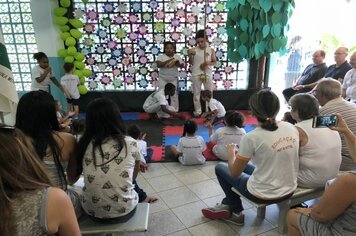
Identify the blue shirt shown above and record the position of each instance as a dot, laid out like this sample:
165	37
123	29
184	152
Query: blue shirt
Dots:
312	74
338	72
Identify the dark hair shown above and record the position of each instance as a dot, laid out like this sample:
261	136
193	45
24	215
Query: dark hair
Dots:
206	93
234	118
39	56
169	43
306	105
78	126
20	171
68	67
201	34
36	117
103	120
169	87
265	106
134	131
190	127
288	118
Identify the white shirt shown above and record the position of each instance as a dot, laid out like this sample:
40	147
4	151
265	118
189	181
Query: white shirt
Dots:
216	105
224	136
168	74
199	59
275	155
349	84
71	83
320	158
191	149
36	72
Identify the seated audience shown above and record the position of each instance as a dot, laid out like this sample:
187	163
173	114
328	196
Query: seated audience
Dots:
288	118
334	214
328	93
311	74
146	153
231	133
36	117
110	162
349	84
190	146
159	103
319	148
63	120
29	205
273	148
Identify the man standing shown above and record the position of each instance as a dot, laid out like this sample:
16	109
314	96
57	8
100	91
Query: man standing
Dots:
328	93
311	74
349	84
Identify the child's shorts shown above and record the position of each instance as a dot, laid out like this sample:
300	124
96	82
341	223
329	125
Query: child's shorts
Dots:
73	101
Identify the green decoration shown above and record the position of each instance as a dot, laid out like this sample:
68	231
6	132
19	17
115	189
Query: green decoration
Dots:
85	1
82	80
76	33
70	41
69	59
87	72
78	73
71	50
76	23
79	65
60	20
82	89
79	56
64	28
65	3
64	35
59	11
62	52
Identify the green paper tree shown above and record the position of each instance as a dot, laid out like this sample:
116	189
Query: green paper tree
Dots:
256	28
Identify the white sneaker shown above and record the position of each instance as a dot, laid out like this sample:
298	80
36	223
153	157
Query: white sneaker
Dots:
236	218
220	211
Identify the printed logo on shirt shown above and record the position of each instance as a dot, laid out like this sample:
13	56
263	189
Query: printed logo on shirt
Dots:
284	143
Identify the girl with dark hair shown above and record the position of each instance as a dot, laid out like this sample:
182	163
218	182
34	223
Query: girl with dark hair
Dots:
273	148
231	133
36	117
110	162
42	74
190	146
168	64
28	205
202	58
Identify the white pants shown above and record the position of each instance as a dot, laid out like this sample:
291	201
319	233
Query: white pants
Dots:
156	108
174	98
196	86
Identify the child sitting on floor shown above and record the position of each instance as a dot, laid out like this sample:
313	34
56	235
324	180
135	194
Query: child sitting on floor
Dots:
146	153
190	146
63	120
217	110
231	133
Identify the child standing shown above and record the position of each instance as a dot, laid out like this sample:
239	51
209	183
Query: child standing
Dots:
190	146
231	133
216	111
168	72
70	82
135	132
202	58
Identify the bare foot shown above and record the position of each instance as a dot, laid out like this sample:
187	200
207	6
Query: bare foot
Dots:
151	199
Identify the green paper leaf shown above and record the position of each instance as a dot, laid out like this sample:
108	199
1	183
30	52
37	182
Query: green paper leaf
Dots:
266	5
242	2
243	24
277	5
276	18
265	31
276	44
276	30
242	51
233	56
243	37
255	4
244	10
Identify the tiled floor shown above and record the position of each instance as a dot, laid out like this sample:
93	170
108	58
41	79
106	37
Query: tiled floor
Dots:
183	191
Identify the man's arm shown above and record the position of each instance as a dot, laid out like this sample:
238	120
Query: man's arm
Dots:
172	113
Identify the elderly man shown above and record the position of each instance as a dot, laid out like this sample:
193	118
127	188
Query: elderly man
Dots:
349	84
328	92
311	74
339	70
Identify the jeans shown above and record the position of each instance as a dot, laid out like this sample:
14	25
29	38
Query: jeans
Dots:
227	181
148	157
141	193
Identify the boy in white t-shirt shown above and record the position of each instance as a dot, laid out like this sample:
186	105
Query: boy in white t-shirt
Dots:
159	102
70	82
217	110
146	153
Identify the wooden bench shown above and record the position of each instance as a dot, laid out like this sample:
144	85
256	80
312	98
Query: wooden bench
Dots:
300	195
138	223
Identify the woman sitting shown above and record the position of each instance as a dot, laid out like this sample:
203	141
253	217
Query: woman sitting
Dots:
28	205
273	148
320	148
36	117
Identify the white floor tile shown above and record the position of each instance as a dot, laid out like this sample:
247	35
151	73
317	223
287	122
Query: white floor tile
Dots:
212	228
190	214
157	206
178	197
273	232
177	167
206	189
163	223
164	182
209	169
154	170
181	233
191	176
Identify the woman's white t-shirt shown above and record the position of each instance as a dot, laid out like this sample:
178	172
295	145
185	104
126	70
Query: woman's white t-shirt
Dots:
36	72
191	149
168	74
275	156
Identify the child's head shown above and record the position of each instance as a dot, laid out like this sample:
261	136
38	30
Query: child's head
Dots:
234	118
288	118
169	89
206	95
78	126
58	105
134	131
201	38
169	48
190	127
41	59
68	67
